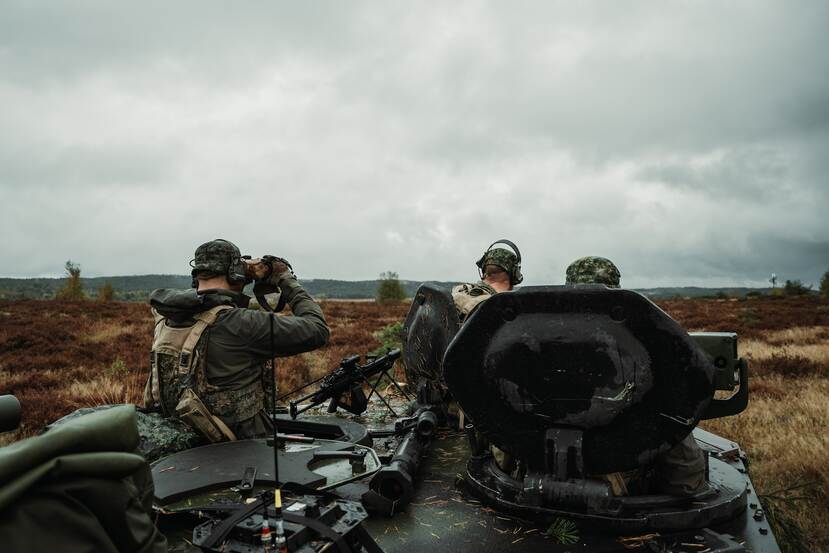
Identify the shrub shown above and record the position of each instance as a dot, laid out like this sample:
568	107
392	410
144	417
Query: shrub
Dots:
824	285
72	289
787	364
390	290
105	292
390	336
796	288
118	368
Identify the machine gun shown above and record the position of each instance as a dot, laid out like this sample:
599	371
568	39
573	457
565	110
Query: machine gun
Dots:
344	386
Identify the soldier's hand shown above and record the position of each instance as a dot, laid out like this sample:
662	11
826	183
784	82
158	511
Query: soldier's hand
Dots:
258	269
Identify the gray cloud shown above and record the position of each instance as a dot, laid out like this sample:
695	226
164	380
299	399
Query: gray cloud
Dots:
687	142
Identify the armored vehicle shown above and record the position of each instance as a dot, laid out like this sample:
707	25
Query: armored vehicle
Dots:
580	386
580	382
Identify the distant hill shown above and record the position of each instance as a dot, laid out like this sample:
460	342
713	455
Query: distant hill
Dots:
697	292
138	287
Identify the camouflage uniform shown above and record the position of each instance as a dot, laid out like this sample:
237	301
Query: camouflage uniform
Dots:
680	470
224	367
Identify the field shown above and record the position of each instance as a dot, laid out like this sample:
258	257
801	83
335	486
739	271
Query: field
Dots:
58	356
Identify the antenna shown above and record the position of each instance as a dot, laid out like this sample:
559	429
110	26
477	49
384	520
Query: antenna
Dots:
277	490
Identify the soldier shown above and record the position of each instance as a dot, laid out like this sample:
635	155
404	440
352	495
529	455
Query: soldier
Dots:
679	471
499	270
208	350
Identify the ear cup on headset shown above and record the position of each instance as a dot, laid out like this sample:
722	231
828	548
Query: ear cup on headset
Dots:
516	277
219	256
236	271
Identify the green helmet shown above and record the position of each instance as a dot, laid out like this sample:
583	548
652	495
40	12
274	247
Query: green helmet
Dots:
219	257
593	270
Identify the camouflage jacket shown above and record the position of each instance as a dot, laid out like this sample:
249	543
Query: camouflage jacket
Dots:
237	344
468	296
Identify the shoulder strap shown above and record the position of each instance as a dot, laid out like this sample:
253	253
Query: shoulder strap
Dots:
486	288
203	320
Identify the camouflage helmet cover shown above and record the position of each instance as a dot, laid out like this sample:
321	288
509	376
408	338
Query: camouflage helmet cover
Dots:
219	257
593	270
500	257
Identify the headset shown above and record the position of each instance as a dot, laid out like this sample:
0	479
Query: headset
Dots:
515	276
236	270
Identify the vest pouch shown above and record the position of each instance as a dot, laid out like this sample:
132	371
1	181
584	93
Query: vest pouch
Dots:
191	410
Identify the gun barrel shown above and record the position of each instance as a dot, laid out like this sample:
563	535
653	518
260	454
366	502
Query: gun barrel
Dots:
395	481
380	364
427	421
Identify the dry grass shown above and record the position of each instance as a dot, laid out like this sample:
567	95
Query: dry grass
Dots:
798	335
107	390
785	429
784	432
106	331
761	350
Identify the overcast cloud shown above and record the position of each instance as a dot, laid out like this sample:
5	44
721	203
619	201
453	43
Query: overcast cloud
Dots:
687	141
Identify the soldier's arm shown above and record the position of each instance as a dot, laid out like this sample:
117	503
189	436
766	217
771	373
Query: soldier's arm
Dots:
305	330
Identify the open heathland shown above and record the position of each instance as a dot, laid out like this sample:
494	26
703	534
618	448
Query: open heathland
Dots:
59	356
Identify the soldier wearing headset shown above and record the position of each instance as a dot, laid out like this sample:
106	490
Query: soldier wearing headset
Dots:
499	270
208	349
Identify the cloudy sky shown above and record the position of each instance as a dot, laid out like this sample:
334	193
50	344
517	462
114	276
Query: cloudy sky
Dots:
688	141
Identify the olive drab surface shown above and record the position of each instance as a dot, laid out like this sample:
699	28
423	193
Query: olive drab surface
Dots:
80	486
178	382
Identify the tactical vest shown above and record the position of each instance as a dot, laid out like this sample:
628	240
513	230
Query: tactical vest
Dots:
177	363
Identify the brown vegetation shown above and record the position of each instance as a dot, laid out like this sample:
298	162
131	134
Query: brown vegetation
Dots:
58	356
785	430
